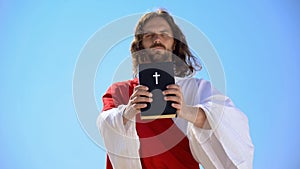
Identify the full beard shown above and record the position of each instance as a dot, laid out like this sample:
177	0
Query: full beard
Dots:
156	56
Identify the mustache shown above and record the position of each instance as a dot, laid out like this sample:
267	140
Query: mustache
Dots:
157	45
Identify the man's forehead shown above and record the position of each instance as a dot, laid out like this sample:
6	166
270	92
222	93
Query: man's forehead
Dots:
157	24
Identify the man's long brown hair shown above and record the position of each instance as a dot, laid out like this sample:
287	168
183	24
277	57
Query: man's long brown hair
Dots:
185	62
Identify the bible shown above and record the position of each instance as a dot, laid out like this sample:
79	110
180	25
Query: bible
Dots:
156	76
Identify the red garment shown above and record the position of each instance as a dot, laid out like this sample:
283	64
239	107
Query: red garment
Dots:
158	149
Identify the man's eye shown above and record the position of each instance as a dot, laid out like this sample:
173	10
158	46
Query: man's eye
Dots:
148	35
166	35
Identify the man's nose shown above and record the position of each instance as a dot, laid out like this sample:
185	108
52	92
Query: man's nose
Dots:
156	38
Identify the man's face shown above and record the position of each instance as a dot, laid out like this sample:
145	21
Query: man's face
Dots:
158	39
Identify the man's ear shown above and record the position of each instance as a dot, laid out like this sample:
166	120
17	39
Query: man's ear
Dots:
140	45
174	45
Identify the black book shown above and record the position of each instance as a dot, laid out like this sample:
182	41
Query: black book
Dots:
156	76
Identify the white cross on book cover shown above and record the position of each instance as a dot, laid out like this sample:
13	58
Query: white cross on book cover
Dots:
156	76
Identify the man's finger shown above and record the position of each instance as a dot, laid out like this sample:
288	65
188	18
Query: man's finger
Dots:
173	86
172	91
173	98
141	87
142	99
139	105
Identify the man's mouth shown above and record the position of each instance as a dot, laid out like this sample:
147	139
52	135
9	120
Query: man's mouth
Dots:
159	48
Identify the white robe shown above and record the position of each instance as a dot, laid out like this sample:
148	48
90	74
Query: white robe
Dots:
227	145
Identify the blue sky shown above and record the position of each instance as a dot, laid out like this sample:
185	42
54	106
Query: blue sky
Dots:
257	43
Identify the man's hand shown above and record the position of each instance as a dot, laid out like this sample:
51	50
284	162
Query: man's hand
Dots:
193	114
137	101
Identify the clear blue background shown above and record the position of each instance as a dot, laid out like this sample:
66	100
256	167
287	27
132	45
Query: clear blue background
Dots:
258	43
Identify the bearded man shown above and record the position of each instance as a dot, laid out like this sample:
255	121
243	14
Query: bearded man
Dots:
208	130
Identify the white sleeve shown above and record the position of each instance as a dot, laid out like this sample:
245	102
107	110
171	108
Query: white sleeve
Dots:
227	145
121	142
